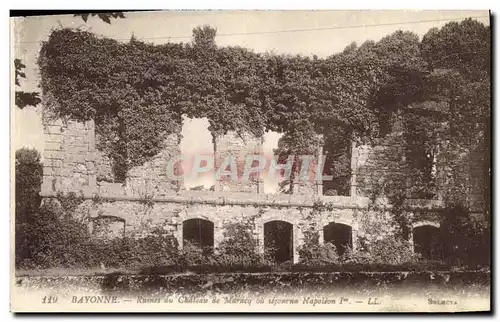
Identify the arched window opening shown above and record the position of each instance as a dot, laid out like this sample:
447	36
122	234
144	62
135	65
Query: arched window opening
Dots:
200	233
278	241
426	241
339	235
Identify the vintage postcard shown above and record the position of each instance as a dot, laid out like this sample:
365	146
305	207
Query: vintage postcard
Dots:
251	161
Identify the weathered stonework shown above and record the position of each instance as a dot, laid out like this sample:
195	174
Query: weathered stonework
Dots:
238	147
136	218
73	164
69	158
155	177
372	164
152	198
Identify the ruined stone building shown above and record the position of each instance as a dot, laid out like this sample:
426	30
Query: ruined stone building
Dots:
151	198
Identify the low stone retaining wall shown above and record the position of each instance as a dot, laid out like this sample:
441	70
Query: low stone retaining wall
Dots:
261	282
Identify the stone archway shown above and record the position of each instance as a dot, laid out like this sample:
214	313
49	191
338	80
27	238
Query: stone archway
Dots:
340	235
199	232
279	241
336	225
426	241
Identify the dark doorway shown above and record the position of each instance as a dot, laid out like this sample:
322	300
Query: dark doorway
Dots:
199	232
426	241
278	241
339	235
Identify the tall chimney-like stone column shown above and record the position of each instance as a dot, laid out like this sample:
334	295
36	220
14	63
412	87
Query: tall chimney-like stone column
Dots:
68	158
238	147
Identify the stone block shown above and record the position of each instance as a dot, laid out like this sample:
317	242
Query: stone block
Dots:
66	171
52	129
82	180
89	165
75	125
89	191
80	140
53	137
53	163
47	187
76	148
68	139
80	168
74	157
50	171
91	143
92	180
56	155
110	189
52	146
90	156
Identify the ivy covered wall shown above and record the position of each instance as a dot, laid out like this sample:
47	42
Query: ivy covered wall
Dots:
135	93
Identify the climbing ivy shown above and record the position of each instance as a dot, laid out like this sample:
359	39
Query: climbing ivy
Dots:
136	92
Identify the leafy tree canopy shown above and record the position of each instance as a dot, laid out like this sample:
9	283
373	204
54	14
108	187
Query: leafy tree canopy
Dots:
29	173
104	16
22	98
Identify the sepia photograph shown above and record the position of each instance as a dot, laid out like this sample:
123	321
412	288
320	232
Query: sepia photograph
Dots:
251	161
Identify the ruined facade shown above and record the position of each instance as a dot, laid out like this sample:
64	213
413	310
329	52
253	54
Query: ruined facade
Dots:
151	198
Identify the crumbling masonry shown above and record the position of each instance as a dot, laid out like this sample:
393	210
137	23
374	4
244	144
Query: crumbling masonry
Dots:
150	198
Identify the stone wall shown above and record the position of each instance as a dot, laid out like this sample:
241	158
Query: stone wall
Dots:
155	177
73	164
474	166
312	185
373	165
68	158
134	217
152	198
234	145
239	147
470	172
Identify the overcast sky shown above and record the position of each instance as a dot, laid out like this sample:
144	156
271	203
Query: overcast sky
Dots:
257	30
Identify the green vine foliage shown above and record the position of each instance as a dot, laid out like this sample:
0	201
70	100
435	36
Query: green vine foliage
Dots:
136	92
29	176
